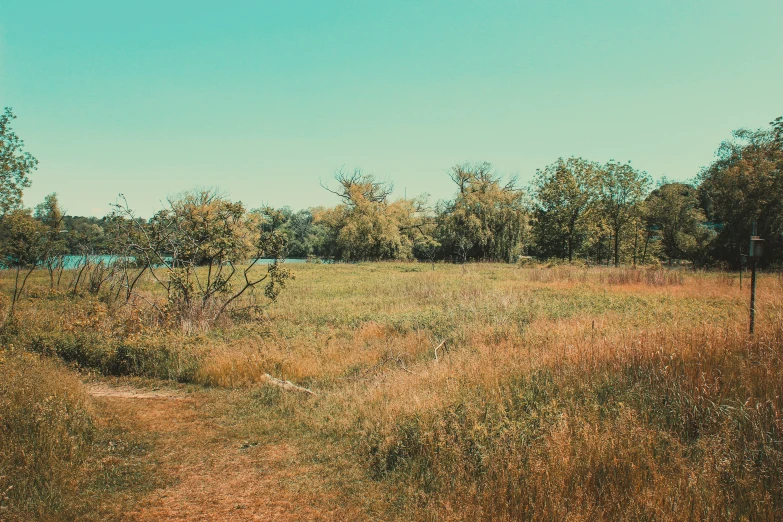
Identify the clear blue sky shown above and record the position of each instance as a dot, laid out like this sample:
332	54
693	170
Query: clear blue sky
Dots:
263	99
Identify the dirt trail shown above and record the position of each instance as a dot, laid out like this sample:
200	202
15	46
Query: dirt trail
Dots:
213	475
128	392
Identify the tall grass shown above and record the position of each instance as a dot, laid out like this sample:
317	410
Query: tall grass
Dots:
671	426
46	430
559	392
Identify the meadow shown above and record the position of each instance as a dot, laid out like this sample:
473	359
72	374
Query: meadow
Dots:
463	392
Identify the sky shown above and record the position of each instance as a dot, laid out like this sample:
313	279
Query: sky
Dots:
265	100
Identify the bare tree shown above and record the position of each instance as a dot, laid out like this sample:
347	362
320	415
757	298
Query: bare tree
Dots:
357	183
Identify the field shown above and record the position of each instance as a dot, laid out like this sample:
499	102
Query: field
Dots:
467	392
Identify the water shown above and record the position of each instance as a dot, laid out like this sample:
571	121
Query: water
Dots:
71	262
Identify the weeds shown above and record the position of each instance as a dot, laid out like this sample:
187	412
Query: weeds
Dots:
562	392
45	434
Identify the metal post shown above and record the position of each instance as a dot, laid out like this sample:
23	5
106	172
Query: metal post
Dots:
753	256
741	266
753	297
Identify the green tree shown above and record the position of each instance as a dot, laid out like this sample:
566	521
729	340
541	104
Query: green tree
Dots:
22	247
565	194
622	192
676	217
86	235
15	164
305	236
51	216
745	184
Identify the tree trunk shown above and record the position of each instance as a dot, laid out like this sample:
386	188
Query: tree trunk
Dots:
16	292
570	248
646	242
598	253
635	242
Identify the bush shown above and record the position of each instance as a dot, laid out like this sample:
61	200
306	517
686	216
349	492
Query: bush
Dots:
144	357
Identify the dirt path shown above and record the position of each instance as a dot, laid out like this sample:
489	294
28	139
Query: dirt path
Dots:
128	392
214	475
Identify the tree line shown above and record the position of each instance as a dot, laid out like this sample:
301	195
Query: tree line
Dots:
573	210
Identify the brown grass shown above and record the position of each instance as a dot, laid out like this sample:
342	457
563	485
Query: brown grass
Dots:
46	431
562	392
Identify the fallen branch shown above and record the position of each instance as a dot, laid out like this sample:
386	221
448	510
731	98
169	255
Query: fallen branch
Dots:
286	385
436	349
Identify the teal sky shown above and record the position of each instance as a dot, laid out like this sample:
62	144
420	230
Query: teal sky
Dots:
263	99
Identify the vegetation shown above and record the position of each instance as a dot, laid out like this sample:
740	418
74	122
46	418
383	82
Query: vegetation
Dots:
629	393
499	390
23	246
16	164
745	184
46	433
573	209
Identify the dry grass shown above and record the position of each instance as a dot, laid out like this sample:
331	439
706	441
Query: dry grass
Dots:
559	392
46	431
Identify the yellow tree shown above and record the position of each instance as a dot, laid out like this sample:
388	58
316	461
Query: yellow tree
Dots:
487	220
366	226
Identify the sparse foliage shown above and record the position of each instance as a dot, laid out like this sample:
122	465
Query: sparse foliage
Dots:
201	229
15	164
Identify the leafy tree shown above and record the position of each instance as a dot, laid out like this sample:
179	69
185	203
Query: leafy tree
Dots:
565	194
777	129
304	237
426	247
15	164
674	214
366	226
745	184
86	235
622	192
51	216
487	220
22	247
201	228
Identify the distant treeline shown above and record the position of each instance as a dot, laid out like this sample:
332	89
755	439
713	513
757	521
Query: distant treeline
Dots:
574	209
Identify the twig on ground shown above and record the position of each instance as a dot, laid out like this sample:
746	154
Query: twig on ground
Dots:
286	385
